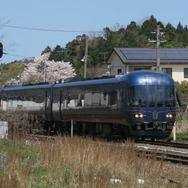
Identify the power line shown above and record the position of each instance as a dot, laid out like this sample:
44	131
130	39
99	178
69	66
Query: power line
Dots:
44	29
16	55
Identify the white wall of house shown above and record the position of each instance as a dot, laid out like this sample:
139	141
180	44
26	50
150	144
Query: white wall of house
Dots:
177	71
116	65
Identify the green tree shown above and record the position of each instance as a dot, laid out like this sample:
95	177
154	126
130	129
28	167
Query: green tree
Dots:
46	50
133	26
179	28
170	33
149	26
11	71
184	38
57	54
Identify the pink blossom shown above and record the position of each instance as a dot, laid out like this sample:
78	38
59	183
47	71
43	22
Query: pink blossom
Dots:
41	69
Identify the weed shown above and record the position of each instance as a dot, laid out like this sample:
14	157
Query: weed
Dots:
81	163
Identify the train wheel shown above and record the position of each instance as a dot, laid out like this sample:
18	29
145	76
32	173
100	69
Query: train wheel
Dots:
48	127
107	130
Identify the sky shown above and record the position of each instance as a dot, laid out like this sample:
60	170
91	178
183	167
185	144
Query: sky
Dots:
28	27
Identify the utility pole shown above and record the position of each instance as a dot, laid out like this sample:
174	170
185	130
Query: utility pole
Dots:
1	49
158	41
158	48
44	71
85	57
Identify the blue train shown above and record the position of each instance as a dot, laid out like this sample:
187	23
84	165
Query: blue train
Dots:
139	104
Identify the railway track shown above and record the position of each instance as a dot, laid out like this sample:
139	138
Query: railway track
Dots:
163	143
165	151
173	156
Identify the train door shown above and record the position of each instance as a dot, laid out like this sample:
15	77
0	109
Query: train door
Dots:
61	105
170	98
48	105
63	102
56	103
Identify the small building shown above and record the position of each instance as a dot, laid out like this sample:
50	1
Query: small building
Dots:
173	61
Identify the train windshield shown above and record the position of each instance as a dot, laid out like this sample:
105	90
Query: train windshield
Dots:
136	96
170	96
155	96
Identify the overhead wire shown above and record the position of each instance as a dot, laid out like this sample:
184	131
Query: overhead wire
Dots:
44	29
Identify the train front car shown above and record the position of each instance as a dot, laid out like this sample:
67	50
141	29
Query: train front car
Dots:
151	104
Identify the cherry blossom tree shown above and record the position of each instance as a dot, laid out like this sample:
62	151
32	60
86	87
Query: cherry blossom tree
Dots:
43	70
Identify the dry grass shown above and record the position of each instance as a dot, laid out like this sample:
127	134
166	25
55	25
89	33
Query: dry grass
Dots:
182	122
80	163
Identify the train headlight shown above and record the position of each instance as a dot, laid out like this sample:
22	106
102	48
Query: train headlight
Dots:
169	115
141	116
138	115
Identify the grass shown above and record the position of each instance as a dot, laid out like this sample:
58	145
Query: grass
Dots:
182	125
81	163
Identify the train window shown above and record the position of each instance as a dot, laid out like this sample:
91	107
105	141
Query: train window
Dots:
19	98
159	96
151	96
113	98
72	100
95	99
23	98
5	98
39	99
136	96
104	99
29	98
80	101
170	96
87	99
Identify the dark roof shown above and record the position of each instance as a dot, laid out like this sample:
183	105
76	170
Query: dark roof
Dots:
150	53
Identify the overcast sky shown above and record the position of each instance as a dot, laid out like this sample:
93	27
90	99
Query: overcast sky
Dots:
30	26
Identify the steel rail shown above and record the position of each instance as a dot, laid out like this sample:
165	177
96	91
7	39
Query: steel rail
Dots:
163	154
163	143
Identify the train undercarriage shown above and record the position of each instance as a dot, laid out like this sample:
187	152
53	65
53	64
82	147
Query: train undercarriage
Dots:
33	124
104	130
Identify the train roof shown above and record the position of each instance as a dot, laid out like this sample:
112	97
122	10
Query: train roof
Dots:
149	76
89	82
13	87
131	78
69	82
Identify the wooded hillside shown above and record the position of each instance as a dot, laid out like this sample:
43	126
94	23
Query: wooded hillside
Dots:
100	45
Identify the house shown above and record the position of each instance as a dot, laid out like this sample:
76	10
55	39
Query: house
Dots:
173	61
